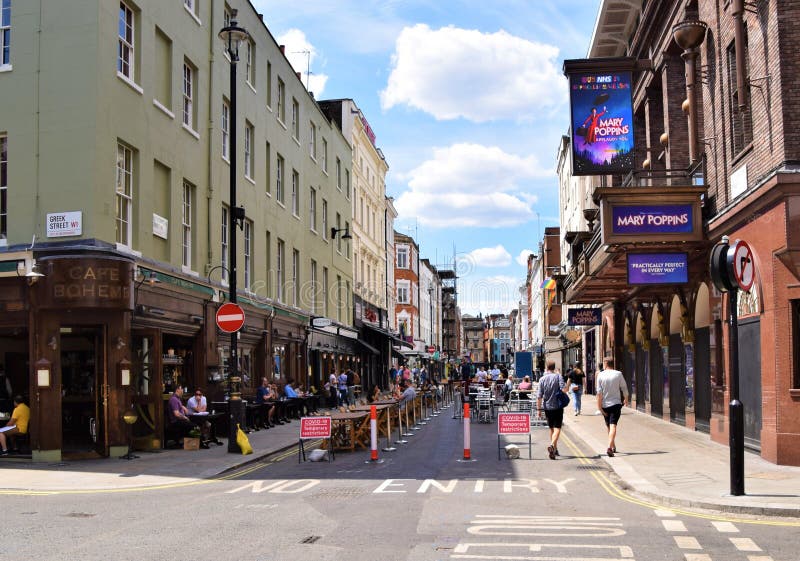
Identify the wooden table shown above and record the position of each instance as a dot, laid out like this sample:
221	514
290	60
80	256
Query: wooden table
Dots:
383	409
349	430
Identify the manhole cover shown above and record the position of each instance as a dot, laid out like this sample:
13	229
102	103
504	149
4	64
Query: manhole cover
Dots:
685	478
339	493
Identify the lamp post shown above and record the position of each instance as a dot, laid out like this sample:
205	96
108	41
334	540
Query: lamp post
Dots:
232	35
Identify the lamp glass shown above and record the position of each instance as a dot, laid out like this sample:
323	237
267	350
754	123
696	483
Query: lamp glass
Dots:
43	377
125	377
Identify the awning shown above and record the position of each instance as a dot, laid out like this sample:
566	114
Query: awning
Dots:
395	340
369	347
397	353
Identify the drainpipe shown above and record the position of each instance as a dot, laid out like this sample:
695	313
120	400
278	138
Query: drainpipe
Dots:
689	35
738	28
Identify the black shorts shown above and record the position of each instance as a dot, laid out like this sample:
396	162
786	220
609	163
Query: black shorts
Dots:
612	414
554	418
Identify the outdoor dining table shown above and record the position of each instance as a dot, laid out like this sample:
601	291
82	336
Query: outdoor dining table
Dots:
349	429
212	418
383	409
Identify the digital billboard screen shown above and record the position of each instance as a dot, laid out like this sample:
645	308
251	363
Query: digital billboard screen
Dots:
658	268
602	122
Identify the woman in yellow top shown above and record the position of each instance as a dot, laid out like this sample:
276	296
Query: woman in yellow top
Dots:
17	424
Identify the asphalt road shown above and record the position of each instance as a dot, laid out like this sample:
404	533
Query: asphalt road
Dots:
420	503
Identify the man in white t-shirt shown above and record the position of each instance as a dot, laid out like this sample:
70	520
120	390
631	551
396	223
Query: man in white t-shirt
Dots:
612	395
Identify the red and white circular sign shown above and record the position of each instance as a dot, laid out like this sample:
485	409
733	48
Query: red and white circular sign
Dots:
742	264
230	317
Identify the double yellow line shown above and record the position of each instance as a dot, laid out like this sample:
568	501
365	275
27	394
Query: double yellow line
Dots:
612	489
224	477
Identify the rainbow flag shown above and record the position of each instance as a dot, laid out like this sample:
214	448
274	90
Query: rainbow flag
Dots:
548	284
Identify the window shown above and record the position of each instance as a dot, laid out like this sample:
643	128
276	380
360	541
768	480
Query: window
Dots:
226	111
741	118
403	292
347	246
248	254
186	224
281	101
295	193
188	95
125	56
312	140
224	237
312	209
250	64
268	262
338	173
338	234
402	257
295	119
249	135
325	302
324	155
267	176
324	219
3	188
269	84
314	287
279	179
280	269
124	194
347	183
295	276
339	298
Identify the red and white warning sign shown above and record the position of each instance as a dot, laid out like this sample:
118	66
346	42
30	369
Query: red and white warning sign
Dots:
230	317
741	264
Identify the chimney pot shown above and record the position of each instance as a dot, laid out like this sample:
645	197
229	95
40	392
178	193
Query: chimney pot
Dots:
282	48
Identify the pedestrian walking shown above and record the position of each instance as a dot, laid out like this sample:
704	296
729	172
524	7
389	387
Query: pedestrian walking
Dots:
612	395
575	382
550	386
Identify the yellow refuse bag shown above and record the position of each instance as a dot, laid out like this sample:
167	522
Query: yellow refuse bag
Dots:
243	441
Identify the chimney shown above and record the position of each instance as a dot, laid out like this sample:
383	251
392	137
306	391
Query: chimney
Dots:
299	76
282	48
261	17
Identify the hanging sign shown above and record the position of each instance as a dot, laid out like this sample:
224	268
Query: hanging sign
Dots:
658	268
584	316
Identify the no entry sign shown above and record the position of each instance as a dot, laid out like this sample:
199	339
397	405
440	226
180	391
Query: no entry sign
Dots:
230	318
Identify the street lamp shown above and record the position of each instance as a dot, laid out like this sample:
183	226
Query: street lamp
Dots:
232	35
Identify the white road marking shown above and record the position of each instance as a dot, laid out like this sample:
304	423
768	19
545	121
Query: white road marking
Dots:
428	483
664	513
561	486
759	558
687	542
674	525
744	544
500	525
725	527
479	486
258	486
524	483
461	551
697	557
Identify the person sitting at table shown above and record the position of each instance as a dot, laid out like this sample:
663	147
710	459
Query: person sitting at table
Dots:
294	404
409	393
17	424
265	398
525	388
198	404
280	404
375	394
178	418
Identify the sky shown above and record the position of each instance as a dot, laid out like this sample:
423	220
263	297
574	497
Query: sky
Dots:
468	103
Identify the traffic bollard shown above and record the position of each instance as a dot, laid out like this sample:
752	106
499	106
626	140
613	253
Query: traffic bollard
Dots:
466	433
373	436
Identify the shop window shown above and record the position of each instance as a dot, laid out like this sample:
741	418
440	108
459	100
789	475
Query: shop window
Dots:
278	361
795	344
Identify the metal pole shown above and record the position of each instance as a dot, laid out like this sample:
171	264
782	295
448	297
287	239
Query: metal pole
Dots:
235	405
736	408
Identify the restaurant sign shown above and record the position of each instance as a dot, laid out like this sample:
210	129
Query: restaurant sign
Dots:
658	268
652	219
86	282
584	316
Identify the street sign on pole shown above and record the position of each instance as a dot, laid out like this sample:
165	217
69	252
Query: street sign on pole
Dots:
230	317
741	264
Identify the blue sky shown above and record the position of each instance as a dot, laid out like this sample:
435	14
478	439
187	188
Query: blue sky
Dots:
468	103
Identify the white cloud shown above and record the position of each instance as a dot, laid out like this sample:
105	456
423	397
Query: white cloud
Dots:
494	294
522	258
452	72
496	256
471	185
302	55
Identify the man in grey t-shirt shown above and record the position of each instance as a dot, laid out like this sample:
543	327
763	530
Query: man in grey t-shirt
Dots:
549	387
612	395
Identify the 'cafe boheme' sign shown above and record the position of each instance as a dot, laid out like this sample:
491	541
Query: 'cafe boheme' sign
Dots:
103	283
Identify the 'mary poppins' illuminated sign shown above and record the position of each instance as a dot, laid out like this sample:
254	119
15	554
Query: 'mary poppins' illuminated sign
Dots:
651	219
584	316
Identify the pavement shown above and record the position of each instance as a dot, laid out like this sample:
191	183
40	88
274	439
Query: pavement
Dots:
659	461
